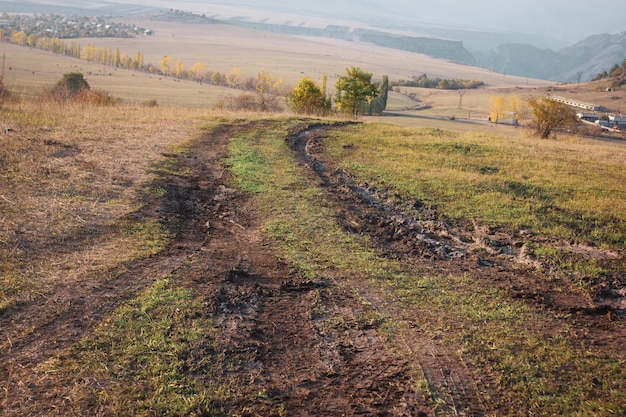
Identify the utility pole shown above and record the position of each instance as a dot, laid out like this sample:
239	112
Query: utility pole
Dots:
3	59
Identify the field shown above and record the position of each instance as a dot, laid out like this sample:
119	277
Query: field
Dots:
179	260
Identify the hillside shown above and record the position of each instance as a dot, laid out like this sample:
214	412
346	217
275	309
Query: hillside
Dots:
588	57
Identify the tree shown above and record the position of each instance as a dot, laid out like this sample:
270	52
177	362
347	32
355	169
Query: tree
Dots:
138	62
267	86
217	79
517	107
497	108
379	104
32	40
88	53
548	115
68	87
234	78
353	89
19	37
117	60
306	98
180	69
461	94
197	71
165	65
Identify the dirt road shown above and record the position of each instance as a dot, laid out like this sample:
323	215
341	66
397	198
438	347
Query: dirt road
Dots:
274	326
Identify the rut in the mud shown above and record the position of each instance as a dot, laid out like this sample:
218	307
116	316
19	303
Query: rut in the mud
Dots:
410	228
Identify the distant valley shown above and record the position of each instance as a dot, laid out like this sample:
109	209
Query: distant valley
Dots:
510	53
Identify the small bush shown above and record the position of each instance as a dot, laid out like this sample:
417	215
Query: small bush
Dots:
4	92
96	97
249	102
71	85
151	102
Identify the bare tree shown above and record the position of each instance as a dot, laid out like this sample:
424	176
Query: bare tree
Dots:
461	94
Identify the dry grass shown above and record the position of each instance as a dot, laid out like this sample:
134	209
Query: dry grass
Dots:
70	176
28	72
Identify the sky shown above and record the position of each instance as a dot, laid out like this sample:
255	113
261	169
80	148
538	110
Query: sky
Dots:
566	21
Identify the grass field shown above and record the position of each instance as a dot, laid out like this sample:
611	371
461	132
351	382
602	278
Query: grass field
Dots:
84	199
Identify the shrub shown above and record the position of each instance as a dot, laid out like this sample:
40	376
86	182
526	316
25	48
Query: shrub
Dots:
95	97
249	102
151	102
4	92
68	87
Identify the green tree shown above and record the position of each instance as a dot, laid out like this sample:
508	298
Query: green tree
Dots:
307	98
68	87
379	104
548	115
353	89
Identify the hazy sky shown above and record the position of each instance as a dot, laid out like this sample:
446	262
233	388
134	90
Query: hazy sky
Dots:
567	21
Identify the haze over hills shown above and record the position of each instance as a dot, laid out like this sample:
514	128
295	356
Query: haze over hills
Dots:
554	40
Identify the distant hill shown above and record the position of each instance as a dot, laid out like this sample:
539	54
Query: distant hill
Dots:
587	57
433	46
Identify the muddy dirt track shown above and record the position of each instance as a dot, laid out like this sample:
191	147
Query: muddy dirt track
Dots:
273	324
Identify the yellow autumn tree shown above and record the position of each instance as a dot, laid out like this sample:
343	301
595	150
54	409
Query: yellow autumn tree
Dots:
180	69
497	109
197	71
517	107
267	88
234	78
19	37
165	65
88	53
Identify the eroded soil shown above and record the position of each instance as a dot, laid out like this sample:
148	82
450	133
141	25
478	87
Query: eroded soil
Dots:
274	326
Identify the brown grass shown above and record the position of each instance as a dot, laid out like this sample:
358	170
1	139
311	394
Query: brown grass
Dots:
70	176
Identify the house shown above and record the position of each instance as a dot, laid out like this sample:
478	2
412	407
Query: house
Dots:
588	117
618	121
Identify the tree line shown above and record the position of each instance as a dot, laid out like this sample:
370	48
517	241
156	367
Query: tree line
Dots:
423	81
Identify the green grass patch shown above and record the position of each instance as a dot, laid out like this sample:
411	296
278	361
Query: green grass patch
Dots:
248	165
563	189
142	360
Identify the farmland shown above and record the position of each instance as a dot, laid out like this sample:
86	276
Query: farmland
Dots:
183	260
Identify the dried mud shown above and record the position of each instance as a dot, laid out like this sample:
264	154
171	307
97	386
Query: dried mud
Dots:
296	342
